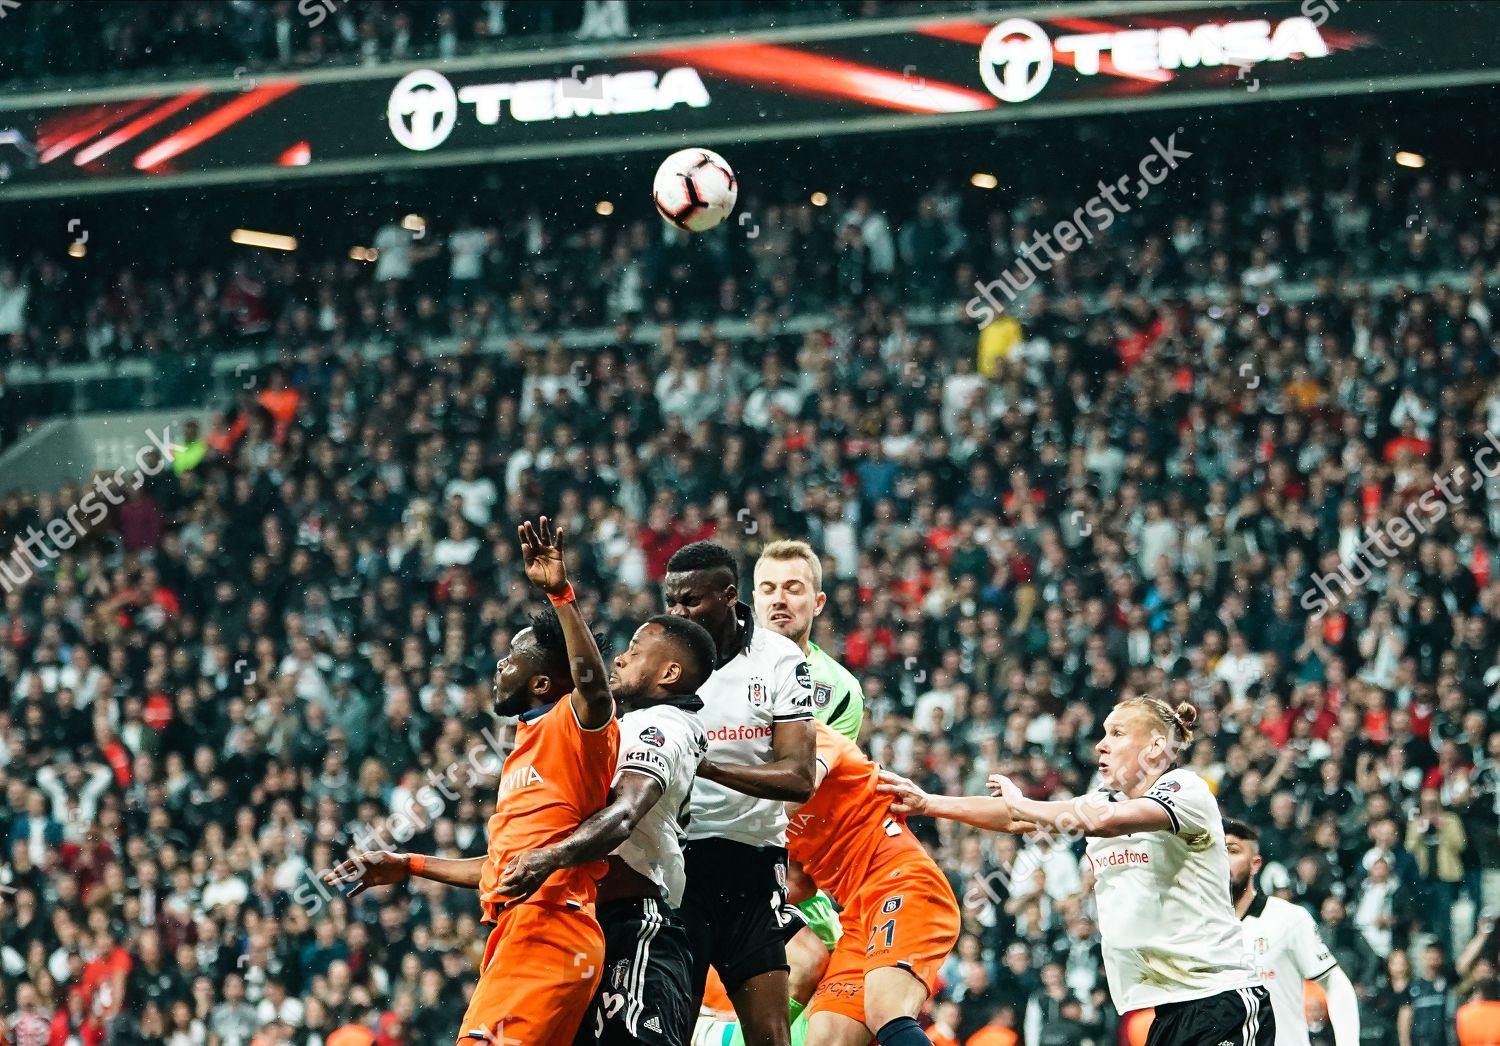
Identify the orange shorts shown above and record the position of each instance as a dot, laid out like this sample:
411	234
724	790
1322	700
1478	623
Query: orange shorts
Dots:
904	916
715	998
541	966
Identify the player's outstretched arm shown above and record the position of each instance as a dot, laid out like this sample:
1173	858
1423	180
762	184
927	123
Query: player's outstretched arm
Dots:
908	798
1091	815
789	776
596	838
1343	1006
382	868
541	552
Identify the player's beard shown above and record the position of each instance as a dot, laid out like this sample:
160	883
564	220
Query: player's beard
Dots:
629	696
518	702
1237	888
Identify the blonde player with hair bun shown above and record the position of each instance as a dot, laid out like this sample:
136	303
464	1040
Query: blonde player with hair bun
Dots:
1171	938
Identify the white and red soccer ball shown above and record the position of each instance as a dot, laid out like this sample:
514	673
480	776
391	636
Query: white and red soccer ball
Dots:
694	189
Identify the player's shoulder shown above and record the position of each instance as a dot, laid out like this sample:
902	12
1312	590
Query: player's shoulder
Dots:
1182	782
663	718
1287	912
774	645
824	663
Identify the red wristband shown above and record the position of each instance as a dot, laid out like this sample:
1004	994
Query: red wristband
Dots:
567	597
415	864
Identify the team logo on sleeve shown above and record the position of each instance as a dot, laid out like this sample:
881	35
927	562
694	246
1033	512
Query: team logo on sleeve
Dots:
822	694
804	675
891	905
653	737
1170	786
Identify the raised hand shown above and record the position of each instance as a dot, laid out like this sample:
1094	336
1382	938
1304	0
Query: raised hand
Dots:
366	869
541	552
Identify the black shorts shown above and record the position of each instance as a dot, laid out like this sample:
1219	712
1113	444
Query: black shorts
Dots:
736	911
645	993
1241	1017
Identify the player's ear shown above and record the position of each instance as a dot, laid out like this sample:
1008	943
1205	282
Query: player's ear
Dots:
819	603
671	674
731	593
1255	864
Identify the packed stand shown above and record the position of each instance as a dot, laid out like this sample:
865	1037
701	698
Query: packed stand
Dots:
67	40
266	654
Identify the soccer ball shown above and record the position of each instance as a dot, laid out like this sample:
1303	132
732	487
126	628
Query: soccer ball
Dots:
694	189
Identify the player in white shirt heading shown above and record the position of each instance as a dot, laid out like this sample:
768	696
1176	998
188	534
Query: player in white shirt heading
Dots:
1170	937
758	715
1284	949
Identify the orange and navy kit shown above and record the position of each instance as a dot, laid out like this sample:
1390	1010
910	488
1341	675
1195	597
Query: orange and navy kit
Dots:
898	909
543	958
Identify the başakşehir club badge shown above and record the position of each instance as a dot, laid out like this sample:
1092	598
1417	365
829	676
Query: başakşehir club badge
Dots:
822	694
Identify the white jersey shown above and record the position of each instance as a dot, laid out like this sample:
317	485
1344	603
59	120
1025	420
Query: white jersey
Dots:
665	742
1168	930
1284	950
767	682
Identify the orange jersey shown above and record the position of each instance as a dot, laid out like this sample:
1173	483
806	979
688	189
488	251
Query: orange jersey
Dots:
557	776
837	834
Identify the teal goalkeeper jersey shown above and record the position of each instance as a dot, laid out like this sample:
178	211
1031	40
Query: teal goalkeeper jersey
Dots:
837	698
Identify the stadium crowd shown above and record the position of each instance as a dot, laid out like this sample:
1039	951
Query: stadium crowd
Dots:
267	652
75	39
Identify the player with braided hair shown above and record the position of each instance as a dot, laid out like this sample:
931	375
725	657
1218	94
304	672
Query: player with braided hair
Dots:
1156	843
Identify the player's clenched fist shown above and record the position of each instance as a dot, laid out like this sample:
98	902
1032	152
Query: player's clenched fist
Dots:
906	796
527	871
368	868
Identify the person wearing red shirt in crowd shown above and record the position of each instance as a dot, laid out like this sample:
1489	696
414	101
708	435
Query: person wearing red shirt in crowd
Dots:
1276	721
862	641
281	401
1409	440
75	1023
661	537
942	535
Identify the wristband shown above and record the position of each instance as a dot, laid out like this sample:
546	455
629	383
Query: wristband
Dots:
568	595
415	864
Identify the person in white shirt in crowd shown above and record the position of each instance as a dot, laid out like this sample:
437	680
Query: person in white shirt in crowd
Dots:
477	492
1240	667
467	246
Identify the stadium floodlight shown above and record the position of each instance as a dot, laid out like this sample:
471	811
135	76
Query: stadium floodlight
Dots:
270	240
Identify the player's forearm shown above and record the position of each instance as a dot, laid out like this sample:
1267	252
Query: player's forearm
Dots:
463	873
991	813
1343	1007
1091	815
590	680
598	836
785	780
